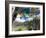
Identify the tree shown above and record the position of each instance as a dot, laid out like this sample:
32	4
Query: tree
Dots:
36	21
36	24
33	11
30	25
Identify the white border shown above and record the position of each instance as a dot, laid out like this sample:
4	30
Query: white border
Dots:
25	32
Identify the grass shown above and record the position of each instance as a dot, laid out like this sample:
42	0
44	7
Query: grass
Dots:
21	28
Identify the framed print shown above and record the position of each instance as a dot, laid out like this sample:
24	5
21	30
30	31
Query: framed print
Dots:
24	18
